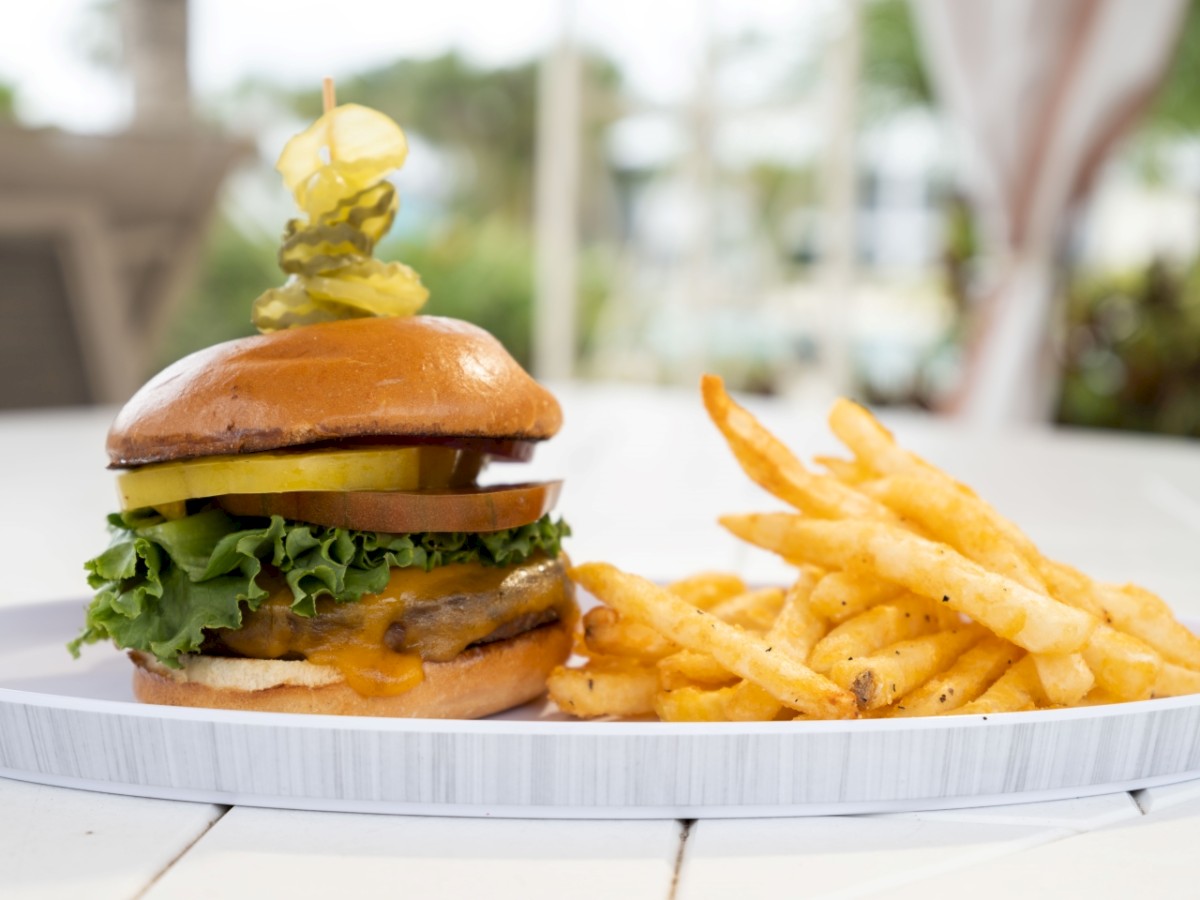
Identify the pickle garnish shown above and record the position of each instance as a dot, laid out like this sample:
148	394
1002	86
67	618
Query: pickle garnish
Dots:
336	169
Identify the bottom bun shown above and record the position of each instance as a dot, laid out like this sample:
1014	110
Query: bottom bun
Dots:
476	683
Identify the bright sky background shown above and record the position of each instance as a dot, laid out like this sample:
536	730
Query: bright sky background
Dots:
656	43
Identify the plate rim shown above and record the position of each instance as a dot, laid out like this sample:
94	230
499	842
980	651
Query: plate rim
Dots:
51	727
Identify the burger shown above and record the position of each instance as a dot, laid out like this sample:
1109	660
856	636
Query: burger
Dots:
302	528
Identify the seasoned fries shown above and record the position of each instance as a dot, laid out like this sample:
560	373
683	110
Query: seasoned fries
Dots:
913	597
707	589
799	626
1016	690
605	688
606	634
1029	619
787	680
772	466
899	668
907	617
687	668
839	596
969	676
753	610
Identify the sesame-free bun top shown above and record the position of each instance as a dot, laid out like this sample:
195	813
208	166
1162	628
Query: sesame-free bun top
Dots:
415	376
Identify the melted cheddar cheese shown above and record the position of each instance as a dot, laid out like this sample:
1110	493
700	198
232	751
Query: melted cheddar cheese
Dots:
379	642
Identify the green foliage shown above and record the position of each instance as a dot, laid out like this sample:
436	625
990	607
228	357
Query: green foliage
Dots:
234	269
1176	108
477	259
779	190
1132	356
8	103
893	73
480	271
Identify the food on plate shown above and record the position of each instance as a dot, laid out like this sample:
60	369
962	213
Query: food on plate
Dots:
749	656
614	687
892	672
301	524
913	597
880	626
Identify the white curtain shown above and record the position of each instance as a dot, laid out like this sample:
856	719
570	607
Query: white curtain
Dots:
1038	91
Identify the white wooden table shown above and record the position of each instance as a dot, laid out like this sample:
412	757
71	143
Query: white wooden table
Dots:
646	477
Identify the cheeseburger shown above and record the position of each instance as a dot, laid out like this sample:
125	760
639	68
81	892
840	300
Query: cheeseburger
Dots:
302	529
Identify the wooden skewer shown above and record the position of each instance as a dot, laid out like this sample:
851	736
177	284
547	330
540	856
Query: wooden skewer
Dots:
328	97
328	101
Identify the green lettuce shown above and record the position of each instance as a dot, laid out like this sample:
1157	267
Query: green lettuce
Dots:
162	583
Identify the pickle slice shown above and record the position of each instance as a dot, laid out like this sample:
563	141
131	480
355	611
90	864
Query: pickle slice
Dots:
336	169
363	145
324	248
365	469
374	287
370	211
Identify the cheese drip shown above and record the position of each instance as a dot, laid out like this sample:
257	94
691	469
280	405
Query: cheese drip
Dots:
378	643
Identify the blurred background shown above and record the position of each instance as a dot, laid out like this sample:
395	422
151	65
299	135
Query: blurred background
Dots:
985	207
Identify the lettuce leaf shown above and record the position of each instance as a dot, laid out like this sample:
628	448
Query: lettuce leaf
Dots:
161	583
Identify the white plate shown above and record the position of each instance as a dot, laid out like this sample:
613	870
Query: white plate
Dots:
75	724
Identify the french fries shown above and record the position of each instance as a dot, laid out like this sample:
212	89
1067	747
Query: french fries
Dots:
1029	619
754	610
913	597
742	702
895	670
706	589
1017	690
968	677
688	668
606	634
839	596
788	680
605	688
799	625
773	466
906	617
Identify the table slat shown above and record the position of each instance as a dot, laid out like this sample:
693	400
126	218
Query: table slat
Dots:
277	853
61	843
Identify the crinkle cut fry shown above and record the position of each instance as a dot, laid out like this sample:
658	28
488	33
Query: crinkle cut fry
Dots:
1027	618
753	658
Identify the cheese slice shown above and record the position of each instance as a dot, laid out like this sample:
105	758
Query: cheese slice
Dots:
357	469
430	616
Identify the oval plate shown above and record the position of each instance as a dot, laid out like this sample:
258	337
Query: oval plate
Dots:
75	724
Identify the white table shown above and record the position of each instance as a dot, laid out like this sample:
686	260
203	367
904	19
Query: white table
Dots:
646	477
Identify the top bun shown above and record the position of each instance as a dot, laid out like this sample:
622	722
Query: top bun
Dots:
415	376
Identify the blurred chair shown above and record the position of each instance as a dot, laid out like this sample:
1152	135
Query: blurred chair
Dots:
99	237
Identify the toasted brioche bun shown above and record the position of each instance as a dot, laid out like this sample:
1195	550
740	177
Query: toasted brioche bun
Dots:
415	376
479	682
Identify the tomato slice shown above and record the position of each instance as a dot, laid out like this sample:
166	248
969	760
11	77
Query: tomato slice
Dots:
399	512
